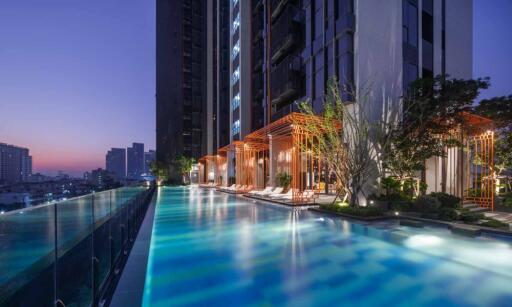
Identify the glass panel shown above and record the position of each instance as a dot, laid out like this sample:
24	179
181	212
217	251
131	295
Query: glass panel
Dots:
102	253
27	245
74	251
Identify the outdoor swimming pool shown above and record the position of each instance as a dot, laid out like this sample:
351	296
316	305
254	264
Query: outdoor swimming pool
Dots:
212	249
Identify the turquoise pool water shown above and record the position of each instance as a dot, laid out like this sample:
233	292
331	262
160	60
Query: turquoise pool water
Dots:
211	249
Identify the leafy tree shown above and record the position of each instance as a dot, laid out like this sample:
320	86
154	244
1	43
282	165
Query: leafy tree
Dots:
184	166
432	110
348	139
160	170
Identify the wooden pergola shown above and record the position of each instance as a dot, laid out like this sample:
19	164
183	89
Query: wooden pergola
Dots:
207	162
479	165
290	131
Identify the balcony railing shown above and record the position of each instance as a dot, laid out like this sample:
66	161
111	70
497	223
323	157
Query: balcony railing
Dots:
66	253
286	80
287	32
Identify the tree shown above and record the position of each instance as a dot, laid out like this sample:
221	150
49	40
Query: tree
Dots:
160	170
432	110
347	139
184	166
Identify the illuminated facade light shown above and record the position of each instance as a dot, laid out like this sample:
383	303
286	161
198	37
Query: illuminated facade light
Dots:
236	127
236	76
236	23
236	50
235	103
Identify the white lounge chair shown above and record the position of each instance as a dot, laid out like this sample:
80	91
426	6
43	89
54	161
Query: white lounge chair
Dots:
227	188
266	190
282	195
275	192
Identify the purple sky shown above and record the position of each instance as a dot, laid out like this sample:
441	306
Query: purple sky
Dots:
77	77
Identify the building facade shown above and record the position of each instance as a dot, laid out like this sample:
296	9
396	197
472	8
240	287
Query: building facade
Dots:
15	164
115	162
285	51
181	79
135	157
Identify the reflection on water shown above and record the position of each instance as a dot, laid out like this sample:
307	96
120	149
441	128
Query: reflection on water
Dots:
209	248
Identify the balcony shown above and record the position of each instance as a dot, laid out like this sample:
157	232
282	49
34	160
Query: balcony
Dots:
287	33
286	81
67	253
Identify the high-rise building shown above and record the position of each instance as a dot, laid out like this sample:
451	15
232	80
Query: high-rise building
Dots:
135	165
181	79
115	162
149	157
281	52
15	164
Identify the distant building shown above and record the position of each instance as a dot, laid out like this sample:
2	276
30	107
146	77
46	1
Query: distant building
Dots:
116	162
101	178
15	164
135	164
149	157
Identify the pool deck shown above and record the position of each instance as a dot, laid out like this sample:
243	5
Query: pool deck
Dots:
130	288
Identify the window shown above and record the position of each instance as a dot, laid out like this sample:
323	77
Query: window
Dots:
410	24
427	27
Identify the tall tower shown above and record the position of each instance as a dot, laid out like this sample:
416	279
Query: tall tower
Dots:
180	79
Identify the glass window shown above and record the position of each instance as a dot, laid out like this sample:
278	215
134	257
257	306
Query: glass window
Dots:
410	24
427	27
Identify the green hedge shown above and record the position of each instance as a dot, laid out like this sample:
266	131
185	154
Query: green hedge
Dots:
356	211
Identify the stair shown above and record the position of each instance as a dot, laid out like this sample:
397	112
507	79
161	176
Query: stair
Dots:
473	207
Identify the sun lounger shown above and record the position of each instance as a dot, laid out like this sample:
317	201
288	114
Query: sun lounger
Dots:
264	191
275	192
281	195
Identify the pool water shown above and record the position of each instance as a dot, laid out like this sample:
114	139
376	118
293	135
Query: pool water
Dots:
213	249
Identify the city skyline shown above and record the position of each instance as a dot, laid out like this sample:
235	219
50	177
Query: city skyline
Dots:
122	76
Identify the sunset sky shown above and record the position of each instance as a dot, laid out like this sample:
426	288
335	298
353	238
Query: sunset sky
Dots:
77	77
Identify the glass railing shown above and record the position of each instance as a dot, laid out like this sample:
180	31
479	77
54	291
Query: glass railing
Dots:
64	254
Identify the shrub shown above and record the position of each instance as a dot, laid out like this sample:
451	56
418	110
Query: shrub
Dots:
401	206
495	224
507	200
284	179
426	204
390	185
392	197
448	214
471	217
447	200
356	211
